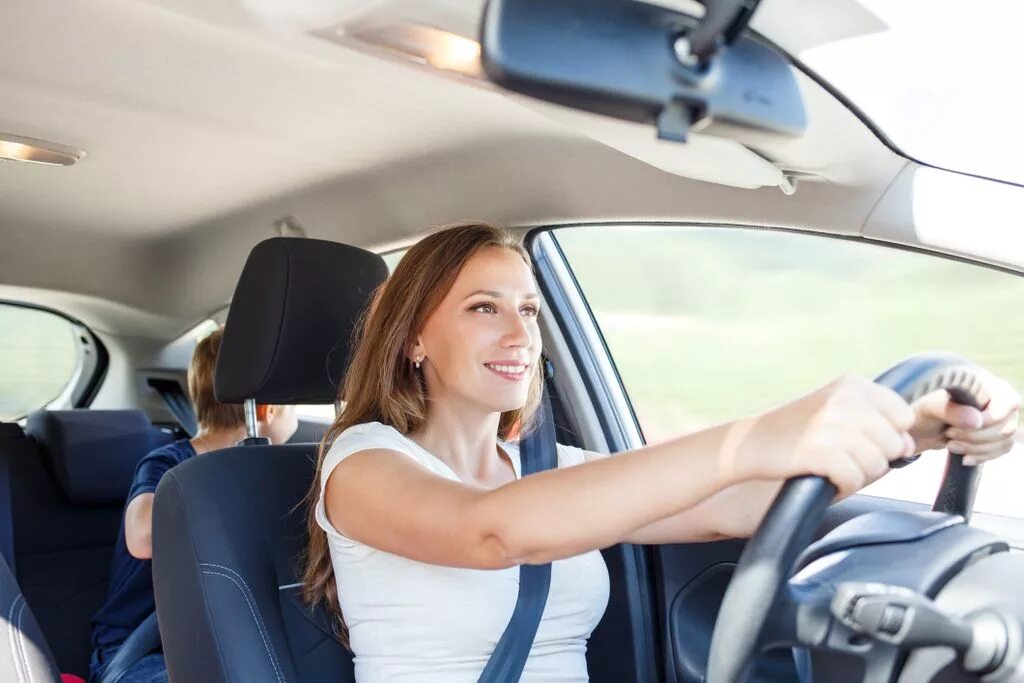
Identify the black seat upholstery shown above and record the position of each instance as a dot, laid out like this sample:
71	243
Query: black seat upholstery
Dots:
235	613
70	471
229	527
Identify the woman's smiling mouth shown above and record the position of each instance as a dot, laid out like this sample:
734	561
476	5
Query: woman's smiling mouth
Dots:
510	371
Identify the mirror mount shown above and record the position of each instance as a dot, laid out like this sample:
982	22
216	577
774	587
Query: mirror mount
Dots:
724	21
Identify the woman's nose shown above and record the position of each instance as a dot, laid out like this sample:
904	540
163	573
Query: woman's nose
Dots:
517	332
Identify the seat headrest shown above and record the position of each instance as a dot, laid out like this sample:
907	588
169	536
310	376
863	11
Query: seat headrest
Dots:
289	329
93	453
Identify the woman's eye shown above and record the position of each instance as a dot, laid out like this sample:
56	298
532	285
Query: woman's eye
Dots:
530	311
485	308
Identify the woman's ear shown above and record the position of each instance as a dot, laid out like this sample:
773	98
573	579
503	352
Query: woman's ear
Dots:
416	351
264	413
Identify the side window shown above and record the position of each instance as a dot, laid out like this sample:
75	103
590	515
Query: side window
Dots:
711	324
319	413
40	360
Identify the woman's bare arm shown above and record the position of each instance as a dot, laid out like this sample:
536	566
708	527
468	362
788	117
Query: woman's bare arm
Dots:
847	431
386	500
737	511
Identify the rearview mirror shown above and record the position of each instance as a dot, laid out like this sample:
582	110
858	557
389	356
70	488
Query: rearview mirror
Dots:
642	62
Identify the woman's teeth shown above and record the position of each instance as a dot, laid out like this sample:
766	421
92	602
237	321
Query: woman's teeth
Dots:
507	369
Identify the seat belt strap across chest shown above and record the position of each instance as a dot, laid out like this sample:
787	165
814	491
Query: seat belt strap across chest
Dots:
536	453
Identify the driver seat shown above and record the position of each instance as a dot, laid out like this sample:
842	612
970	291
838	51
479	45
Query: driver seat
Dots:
229	527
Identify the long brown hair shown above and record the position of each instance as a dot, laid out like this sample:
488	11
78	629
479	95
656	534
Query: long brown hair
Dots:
381	383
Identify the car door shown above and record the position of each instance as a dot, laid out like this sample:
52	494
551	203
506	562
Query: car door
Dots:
673	328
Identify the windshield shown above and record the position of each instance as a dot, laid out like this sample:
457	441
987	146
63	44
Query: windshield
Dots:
941	80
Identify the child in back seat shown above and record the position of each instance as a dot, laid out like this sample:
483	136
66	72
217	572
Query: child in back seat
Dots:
130	598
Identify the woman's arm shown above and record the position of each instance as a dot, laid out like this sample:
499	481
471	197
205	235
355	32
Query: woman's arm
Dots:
847	431
734	512
386	500
737	511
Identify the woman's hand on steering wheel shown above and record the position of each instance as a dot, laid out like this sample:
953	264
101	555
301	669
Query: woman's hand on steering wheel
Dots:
849	432
845	459
977	435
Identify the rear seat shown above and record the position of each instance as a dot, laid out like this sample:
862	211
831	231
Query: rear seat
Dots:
27	655
70	471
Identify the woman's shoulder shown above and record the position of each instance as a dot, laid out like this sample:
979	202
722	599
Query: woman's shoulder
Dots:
369	436
366	436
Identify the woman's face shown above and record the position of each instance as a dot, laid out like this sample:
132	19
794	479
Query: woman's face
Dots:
482	343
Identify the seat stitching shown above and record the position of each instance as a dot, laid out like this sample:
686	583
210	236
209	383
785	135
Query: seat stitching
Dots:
248	590
10	637
174	489
250	601
259	622
21	640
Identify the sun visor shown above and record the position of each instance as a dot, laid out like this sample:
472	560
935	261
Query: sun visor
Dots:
703	157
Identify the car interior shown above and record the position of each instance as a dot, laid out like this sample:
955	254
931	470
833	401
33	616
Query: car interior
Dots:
262	164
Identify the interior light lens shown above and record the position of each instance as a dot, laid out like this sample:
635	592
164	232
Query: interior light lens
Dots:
425	45
17	148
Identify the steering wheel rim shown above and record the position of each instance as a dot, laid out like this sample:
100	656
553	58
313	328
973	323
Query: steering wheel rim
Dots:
799	509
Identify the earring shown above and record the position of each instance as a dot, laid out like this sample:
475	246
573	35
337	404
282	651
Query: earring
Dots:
418	359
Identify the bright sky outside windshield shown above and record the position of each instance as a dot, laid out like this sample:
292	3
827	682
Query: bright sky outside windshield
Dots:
943	80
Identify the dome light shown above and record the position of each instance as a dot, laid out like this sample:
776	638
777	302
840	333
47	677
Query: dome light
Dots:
17	148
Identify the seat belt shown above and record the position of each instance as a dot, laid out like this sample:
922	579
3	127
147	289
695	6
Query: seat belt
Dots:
139	643
177	402
536	453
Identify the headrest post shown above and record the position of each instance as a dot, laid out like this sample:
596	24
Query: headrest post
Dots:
250	418
252	435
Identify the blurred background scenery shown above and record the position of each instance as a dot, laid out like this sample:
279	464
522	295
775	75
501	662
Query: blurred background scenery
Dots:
711	324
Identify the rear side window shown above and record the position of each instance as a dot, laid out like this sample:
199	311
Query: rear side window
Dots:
44	359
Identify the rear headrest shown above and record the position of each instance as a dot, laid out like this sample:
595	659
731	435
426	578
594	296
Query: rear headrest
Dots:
291	319
93	453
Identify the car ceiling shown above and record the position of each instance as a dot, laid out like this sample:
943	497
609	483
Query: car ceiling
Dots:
205	122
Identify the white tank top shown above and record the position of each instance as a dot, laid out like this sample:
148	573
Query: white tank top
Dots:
412	621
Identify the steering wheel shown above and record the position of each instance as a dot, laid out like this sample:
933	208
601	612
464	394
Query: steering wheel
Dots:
799	510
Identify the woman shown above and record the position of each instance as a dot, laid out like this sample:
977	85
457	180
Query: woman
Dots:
421	518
